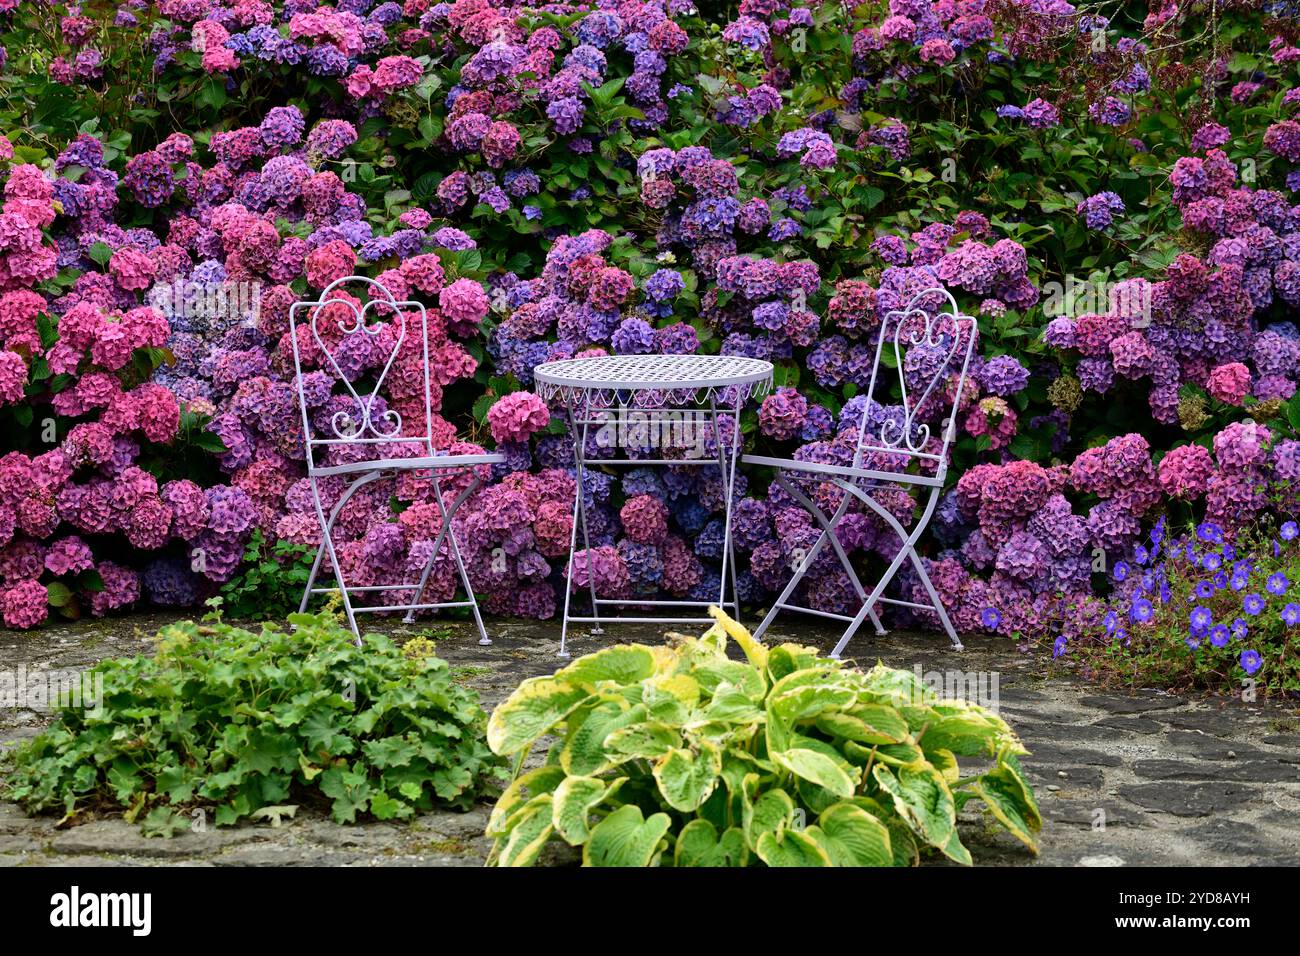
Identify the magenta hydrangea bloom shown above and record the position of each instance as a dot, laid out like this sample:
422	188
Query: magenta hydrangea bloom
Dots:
516	417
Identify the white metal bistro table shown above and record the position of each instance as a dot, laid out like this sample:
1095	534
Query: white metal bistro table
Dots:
651	397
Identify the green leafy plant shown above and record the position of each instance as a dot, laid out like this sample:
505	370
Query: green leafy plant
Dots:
681	755
251	723
270	581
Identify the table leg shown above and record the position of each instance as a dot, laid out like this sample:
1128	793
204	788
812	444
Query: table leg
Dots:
728	474
579	438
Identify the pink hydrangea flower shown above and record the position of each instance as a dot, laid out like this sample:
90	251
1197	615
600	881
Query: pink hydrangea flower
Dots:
1229	383
1185	471
517	416
464	304
645	519
24	605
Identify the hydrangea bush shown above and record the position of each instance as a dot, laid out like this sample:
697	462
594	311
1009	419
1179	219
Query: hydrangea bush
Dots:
1113	200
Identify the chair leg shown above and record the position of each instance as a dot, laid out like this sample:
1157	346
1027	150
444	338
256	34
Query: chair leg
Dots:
311	578
828	527
878	590
790	585
447	515
446	532
328	543
907	550
934	600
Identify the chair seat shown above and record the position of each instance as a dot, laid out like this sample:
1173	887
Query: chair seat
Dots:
842	471
435	462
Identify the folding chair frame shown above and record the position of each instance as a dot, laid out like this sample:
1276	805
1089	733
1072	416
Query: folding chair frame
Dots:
383	429
908	440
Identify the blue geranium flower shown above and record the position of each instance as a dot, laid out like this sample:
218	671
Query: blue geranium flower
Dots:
1252	603
1142	611
1209	532
991	617
1277	583
1120	571
1201	617
1220	635
1058	648
1291	614
1204	590
1212	561
1251	661
1289	531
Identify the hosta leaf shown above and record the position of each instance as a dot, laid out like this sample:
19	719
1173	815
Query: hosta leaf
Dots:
881	725
754	651
813	798
621	664
945	761
699	845
536	706
902	842
956	851
683	687
644	740
521	790
800	703
791	848
572	804
664	706
1005	796
966	729
529	833
922	798
853	837
772	811
748	679
584	750
731	705
686	778
785	659
884	721
817	767
899	755
737	765
626	838
899	688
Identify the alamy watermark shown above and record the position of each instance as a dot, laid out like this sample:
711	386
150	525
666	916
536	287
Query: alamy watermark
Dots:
48	689
971	687
190	299
1077	296
665	430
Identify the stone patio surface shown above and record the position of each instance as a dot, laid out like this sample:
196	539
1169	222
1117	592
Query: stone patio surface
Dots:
1146	778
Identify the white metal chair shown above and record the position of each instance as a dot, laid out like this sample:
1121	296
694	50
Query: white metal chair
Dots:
366	420
920	323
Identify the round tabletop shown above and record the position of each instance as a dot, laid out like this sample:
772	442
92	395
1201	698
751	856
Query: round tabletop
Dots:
653	372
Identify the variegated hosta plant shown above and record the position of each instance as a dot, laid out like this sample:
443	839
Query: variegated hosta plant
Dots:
680	755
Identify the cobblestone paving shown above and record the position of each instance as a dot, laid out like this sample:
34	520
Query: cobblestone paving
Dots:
1122	779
